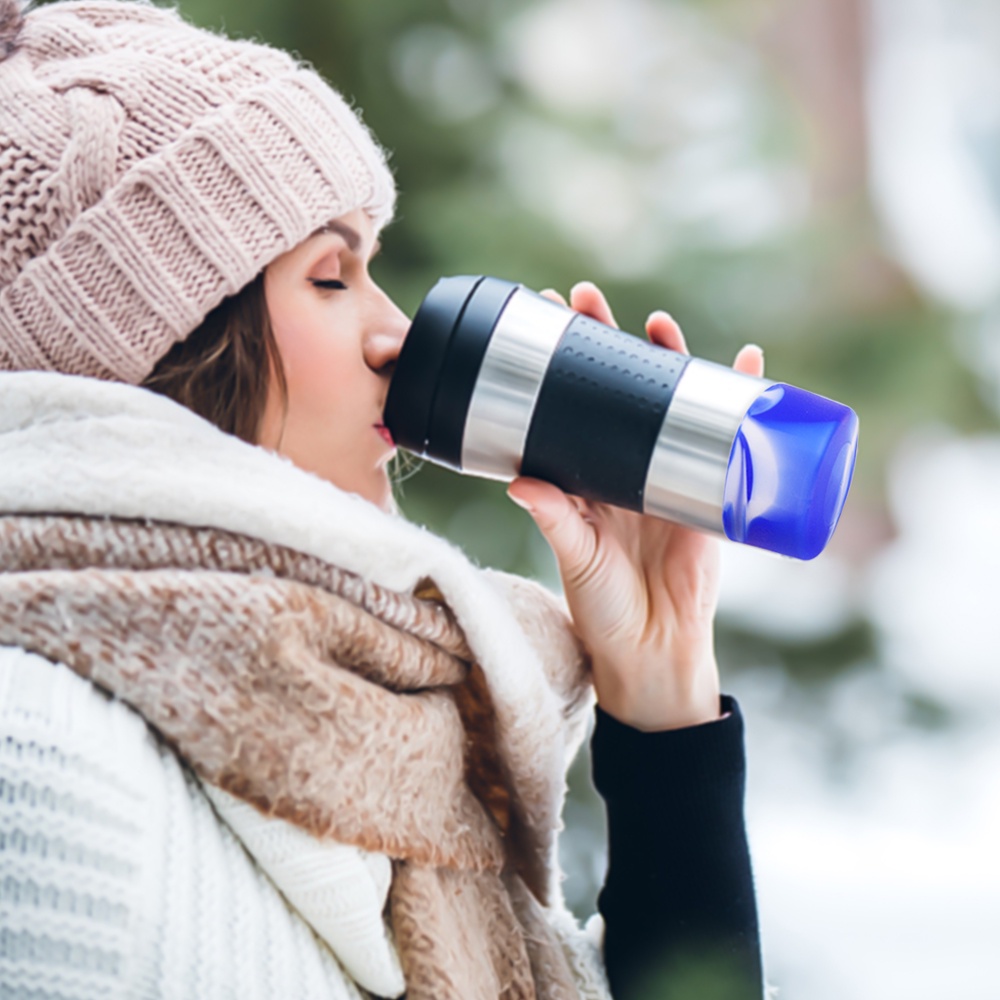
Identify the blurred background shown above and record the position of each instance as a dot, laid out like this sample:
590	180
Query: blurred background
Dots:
821	177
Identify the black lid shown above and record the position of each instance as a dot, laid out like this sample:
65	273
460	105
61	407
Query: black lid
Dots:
415	379
460	368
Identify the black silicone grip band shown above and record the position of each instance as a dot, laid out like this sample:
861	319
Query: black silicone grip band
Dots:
599	412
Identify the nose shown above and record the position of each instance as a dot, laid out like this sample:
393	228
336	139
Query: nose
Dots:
386	332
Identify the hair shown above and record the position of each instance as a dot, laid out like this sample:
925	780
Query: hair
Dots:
11	23
224	368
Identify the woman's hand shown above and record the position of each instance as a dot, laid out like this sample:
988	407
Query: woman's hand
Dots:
642	591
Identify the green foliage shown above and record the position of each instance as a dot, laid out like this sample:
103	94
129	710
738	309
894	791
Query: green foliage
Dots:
704	975
812	662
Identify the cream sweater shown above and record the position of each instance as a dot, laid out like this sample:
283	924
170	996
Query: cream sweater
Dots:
120	874
117	878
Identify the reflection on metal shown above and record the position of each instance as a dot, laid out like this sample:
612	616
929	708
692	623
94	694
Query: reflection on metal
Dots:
508	384
687	471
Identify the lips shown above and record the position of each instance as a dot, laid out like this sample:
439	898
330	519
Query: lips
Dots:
385	435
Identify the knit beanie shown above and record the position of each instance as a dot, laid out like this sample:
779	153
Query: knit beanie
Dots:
149	169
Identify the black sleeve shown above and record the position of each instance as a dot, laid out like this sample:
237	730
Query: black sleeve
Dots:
678	901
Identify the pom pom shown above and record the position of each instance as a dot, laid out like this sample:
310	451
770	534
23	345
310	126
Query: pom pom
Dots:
11	19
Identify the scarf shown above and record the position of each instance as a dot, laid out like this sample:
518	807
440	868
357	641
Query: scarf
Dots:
385	717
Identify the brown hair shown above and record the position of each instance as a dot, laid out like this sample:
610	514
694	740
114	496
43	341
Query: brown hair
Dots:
223	369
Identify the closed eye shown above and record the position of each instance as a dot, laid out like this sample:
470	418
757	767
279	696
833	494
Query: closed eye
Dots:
329	283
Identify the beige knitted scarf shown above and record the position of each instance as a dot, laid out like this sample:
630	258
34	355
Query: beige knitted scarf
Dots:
354	712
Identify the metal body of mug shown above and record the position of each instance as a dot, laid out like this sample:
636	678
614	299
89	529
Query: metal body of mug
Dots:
494	380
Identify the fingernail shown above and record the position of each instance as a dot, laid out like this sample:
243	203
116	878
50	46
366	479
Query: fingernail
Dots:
521	503
659	314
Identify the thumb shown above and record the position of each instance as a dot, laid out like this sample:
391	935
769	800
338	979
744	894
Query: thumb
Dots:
571	538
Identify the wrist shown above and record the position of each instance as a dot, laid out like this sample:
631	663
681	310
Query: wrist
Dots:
658	699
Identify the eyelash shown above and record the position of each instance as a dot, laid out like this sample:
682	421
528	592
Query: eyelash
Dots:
331	284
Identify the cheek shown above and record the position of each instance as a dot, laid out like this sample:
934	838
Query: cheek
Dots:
317	368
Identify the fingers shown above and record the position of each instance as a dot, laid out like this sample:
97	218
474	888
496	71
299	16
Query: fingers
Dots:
663	329
587	298
561	522
584	297
750	360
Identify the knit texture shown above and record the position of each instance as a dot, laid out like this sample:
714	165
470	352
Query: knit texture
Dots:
118	880
265	686
369	728
148	169
278	692
79	446
339	889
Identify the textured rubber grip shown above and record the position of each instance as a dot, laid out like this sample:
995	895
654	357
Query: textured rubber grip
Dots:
599	412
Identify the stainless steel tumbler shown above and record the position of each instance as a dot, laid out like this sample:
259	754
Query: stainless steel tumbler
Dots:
494	380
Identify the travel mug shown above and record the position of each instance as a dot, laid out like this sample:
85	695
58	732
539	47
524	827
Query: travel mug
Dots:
494	380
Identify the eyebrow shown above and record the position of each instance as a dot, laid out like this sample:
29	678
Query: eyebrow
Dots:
350	236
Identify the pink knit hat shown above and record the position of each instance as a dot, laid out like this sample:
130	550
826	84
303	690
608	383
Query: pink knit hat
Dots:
148	169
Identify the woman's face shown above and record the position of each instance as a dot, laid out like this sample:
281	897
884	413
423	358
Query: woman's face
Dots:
338	335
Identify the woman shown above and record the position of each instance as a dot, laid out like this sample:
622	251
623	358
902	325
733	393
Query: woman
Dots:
260	736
